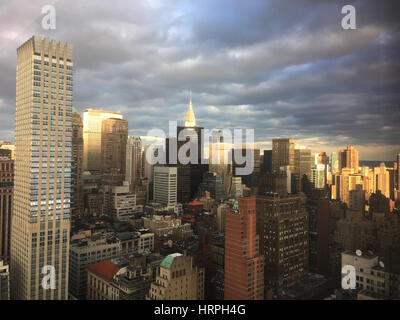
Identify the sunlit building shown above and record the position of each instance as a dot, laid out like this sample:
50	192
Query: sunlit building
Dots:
92	134
42	190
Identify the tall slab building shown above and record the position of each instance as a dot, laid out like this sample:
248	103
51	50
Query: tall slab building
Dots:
43	140
133	172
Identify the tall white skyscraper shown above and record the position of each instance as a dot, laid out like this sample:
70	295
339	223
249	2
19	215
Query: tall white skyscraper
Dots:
165	185
43	140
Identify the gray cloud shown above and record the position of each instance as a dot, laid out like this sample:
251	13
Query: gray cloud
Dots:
283	68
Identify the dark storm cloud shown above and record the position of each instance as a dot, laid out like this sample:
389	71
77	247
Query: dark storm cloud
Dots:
284	68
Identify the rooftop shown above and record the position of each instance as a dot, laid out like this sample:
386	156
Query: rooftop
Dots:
167	262
105	269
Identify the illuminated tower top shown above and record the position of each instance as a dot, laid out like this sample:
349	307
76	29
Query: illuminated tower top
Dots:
190	120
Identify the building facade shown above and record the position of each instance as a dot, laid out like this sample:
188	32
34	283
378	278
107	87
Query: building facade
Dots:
42	189
178	279
244	265
6	201
92	135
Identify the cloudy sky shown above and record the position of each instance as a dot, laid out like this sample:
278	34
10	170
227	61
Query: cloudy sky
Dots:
283	67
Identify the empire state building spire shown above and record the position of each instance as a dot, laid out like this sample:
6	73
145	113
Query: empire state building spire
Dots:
190	120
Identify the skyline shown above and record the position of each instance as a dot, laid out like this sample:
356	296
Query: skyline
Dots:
143	64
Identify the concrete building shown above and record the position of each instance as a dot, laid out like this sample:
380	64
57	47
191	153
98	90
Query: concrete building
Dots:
244	265
163	226
165	185
42	190
85	252
122	278
373	282
123	202
178	279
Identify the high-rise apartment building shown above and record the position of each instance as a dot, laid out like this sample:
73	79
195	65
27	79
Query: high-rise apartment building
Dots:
165	185
244	265
114	136
179	279
381	175
302	162
6	201
282	154
133	160
77	164
92	134
42	185
282	224
348	158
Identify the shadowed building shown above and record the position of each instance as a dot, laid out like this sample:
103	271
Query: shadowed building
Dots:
6	201
282	224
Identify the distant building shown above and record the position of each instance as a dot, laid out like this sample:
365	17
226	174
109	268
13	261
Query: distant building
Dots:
214	185
348	158
133	160
282	154
122	202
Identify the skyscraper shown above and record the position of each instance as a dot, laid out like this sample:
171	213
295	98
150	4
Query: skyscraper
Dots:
92	126
189	174
282	224
114	136
244	265
77	164
43	140
348	158
133	160
302	166
282	154
6	200
267	161
165	185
